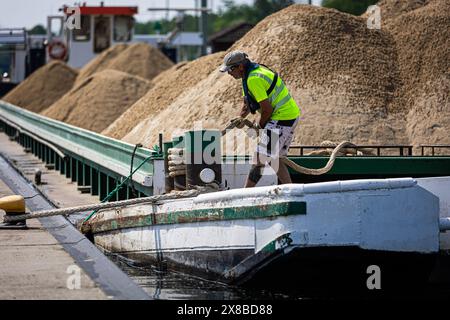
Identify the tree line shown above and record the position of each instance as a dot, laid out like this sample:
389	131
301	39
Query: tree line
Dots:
231	14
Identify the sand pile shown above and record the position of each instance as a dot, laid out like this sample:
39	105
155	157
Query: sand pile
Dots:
391	9
99	100
343	75
101	62
42	88
421	38
139	59
429	118
168	86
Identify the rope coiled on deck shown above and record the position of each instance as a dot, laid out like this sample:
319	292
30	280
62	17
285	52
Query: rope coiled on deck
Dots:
177	163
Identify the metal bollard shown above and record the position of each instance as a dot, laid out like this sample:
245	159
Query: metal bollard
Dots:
37	176
13	205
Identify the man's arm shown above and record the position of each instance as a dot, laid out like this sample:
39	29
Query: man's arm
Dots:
266	112
245	110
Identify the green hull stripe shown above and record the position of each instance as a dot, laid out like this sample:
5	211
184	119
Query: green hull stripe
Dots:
202	215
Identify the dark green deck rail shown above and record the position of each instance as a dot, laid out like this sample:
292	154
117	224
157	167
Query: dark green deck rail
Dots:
364	167
360	167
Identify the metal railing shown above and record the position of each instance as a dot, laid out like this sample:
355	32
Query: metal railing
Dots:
403	150
433	147
84	150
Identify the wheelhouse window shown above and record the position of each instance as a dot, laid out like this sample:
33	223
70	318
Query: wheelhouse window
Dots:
56	28
123	26
84	33
102	33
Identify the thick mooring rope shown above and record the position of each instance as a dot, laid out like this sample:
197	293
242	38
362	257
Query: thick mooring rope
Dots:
107	205
177	164
241	122
320	171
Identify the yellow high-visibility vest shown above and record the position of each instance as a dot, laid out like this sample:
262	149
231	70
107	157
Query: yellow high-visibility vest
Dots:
284	106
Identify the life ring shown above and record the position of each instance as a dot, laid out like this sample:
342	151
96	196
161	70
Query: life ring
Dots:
57	50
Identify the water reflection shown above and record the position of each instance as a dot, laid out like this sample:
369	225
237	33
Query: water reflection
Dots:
171	285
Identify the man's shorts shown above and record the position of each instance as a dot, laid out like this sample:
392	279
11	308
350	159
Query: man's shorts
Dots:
276	138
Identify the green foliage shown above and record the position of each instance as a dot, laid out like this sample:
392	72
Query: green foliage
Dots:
355	7
234	13
230	15
38	29
264	8
163	26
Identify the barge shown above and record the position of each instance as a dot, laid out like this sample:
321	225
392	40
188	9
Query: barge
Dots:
292	236
373	211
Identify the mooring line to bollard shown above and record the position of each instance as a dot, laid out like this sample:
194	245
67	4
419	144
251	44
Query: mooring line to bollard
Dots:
98	206
117	188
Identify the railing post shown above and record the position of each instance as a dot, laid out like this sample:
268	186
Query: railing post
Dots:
86	175
122	194
69	167
94	181
110	186
40	151
102	185
57	162
73	169
79	173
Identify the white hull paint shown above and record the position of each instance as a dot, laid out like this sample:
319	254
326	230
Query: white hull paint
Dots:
440	187
389	215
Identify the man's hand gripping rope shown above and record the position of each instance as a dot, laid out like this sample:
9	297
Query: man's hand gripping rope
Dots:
240	122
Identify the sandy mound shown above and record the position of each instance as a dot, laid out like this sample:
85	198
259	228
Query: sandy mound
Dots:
139	59
391	9
101	62
42	88
386	86
99	100
421	39
429	118
142	60
343	75
167	87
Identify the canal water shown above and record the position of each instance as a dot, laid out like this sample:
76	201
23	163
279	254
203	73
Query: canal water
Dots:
170	285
